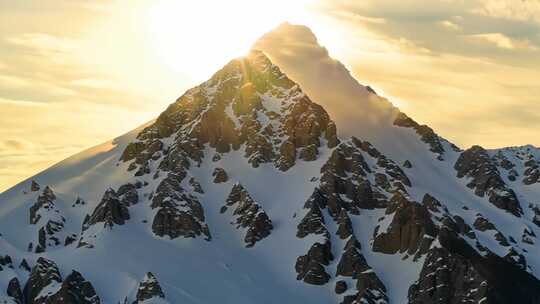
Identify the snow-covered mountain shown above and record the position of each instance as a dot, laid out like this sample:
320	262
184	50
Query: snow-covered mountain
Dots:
281	179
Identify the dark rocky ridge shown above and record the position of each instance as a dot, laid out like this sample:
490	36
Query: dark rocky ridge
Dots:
112	210
74	289
427	134
411	229
48	218
148	289
344	182
44	285
456	273
352	263
180	214
311	266
532	172
43	274
344	191
224	113
249	215
14	291
313	221
200	117
476	164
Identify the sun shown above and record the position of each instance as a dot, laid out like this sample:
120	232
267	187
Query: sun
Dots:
197	37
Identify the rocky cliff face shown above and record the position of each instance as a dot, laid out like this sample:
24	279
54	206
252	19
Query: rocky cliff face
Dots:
148	290
241	191
249	104
484	179
48	221
248	215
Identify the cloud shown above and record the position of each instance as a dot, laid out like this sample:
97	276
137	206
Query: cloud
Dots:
449	25
446	27
45	68
439	58
504	42
14	144
521	10
45	43
498	39
285	44
23	103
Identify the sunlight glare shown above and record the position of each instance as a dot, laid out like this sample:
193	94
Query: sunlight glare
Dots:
197	38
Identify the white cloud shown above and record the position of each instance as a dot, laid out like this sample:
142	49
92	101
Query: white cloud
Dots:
447	24
504	42
522	10
45	42
23	103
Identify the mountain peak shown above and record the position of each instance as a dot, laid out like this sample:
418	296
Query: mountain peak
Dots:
249	104
296	50
244	183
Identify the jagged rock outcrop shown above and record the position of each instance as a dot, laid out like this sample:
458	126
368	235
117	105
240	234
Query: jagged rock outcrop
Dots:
45	286
536	214
74	289
248	215
44	202
220	176
179	214
311	267
112	210
503	161
352	263
313	221
13	287
341	287
34	186
148	289
411	229
343	221
14	291
407	164
128	194
532	172
249	102
476	164
5	261
447	278
196	185
369	288
344	190
483	224
78	202
426	134
456	273
528	236
24	266
49	221
344	182
44	275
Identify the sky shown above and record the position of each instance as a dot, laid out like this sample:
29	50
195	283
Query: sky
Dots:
74	74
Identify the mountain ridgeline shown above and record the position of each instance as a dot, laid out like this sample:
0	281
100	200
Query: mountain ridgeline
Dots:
248	189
